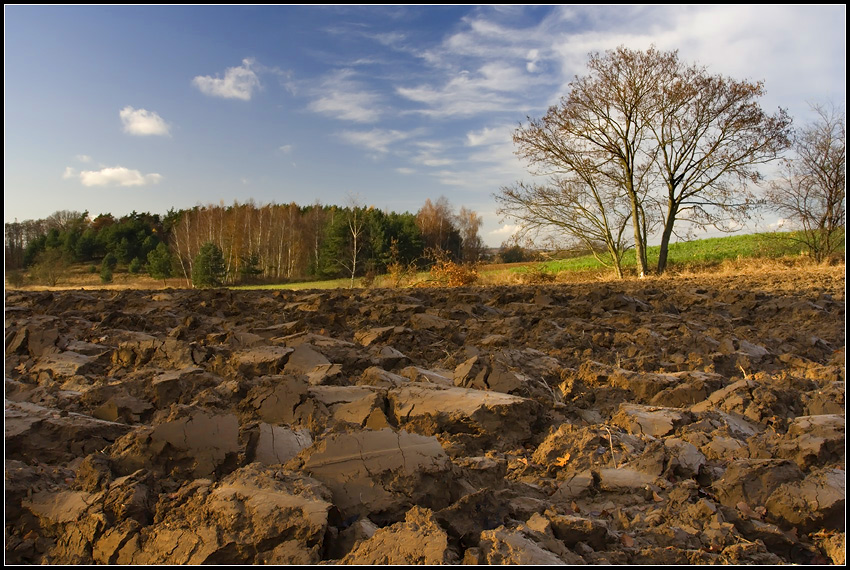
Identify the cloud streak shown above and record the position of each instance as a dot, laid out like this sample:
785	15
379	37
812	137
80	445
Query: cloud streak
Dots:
377	140
341	97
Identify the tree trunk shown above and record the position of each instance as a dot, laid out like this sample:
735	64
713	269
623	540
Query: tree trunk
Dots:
640	239
665	243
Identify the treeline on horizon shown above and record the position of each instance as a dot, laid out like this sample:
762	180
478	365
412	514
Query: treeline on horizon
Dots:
269	242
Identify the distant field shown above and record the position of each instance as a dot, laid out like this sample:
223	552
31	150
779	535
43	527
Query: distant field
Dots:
684	257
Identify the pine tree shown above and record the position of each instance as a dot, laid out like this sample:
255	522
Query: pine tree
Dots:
208	269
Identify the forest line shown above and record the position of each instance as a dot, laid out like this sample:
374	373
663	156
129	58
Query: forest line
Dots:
267	242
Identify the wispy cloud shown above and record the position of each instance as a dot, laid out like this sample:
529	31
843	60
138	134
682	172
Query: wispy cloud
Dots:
431	153
485	67
532	58
377	140
468	94
342	97
238	82
484	160
285	149
83	158
112	176
142	122
488	136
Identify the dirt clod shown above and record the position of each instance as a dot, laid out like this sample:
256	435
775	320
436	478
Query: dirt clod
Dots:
667	421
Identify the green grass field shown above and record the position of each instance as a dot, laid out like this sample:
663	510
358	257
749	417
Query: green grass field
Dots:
698	252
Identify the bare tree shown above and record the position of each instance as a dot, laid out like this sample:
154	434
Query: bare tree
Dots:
711	136
181	239
51	266
356	226
811	191
468	224
316	218
65	219
15	244
597	213
436	223
600	125
677	143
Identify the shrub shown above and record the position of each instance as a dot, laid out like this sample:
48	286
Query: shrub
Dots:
536	274
451	274
513	254
399	272
50	267
15	278
135	266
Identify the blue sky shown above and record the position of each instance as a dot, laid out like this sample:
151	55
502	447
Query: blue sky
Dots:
121	108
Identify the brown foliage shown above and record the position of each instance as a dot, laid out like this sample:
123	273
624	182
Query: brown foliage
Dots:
447	273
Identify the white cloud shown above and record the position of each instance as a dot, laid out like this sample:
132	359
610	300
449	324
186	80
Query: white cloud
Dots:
505	230
69	173
83	158
285	149
405	170
488	136
238	82
378	140
113	176
533	56
143	122
343	98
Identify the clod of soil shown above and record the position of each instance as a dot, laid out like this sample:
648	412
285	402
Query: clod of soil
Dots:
666	421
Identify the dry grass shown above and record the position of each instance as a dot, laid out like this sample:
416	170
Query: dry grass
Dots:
784	268
121	281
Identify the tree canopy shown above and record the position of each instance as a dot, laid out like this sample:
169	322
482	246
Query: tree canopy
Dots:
271	242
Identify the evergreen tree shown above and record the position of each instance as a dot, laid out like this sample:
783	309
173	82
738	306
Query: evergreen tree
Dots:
160	262
251	268
110	261
209	268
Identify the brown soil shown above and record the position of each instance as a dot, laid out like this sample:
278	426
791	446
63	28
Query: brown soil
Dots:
694	420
